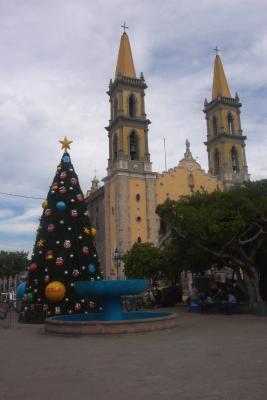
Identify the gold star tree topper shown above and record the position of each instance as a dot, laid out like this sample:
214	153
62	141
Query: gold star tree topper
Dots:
65	144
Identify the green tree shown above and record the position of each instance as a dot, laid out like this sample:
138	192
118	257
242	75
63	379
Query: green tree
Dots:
142	261
64	249
229	227
12	262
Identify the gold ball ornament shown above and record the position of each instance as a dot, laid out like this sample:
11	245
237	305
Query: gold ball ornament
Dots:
55	291
93	231
44	203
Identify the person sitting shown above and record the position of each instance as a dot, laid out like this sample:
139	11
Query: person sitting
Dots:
230	305
208	304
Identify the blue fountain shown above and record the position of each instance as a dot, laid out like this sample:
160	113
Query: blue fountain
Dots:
112	319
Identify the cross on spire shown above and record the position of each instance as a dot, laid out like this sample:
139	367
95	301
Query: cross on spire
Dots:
217	50
124	27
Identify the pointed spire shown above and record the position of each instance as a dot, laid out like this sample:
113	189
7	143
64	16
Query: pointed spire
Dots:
220	85
125	65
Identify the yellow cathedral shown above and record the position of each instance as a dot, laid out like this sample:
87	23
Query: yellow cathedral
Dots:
123	209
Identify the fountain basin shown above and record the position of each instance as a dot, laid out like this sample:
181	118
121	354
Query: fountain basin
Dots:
94	324
112	320
110	293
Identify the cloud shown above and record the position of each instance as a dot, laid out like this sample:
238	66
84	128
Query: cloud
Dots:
57	58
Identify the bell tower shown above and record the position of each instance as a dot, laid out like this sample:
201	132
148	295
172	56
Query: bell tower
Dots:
130	200
128	125
225	141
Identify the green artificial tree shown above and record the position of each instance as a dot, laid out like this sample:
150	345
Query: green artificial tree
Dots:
64	250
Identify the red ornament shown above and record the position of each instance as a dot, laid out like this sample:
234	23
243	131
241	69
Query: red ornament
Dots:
74	213
77	307
51	228
47	278
67	244
59	261
33	267
75	273
62	190
79	197
63	175
74	181
85	251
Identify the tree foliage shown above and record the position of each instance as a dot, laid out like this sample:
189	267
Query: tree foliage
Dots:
12	262
142	261
228	227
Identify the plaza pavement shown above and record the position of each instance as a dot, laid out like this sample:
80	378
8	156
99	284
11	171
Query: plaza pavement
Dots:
206	357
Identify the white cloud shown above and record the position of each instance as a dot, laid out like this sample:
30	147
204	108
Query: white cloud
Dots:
57	58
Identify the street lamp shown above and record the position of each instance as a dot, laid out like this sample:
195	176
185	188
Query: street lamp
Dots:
117	260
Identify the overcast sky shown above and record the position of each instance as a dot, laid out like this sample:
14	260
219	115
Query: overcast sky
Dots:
57	57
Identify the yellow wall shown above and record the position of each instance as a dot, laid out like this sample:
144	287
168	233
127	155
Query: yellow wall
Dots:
174	183
138	208
126	94
141	144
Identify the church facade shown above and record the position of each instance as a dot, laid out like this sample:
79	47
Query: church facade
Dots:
123	209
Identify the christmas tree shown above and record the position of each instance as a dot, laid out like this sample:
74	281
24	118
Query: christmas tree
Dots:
64	250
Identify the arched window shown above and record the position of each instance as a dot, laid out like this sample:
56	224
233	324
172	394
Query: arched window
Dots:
230	123
234	159
132	106
115	107
191	182
139	240
216	162
137	197
214	126
115	147
133	143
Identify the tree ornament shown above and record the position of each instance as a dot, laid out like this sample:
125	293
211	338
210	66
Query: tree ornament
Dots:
59	261
66	272
86	230
35	290
54	187
79	197
41	243
35	281
85	213
62	190
61	206
74	213
91	268
66	159
65	145
61	222
85	250
80	237
67	244
33	267
61	182
69	228
48	212
46	278
77	307
57	310
66	299
51	228
72	200
55	291
93	231
82	300
59	167
63	175
73	181
71	169
75	273
70	188
83	267
44	203
40	252
57	242
49	255
52	191
39	300
71	255
71	284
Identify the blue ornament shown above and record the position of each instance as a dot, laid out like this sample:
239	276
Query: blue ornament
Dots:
61	205
21	290
66	159
91	268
